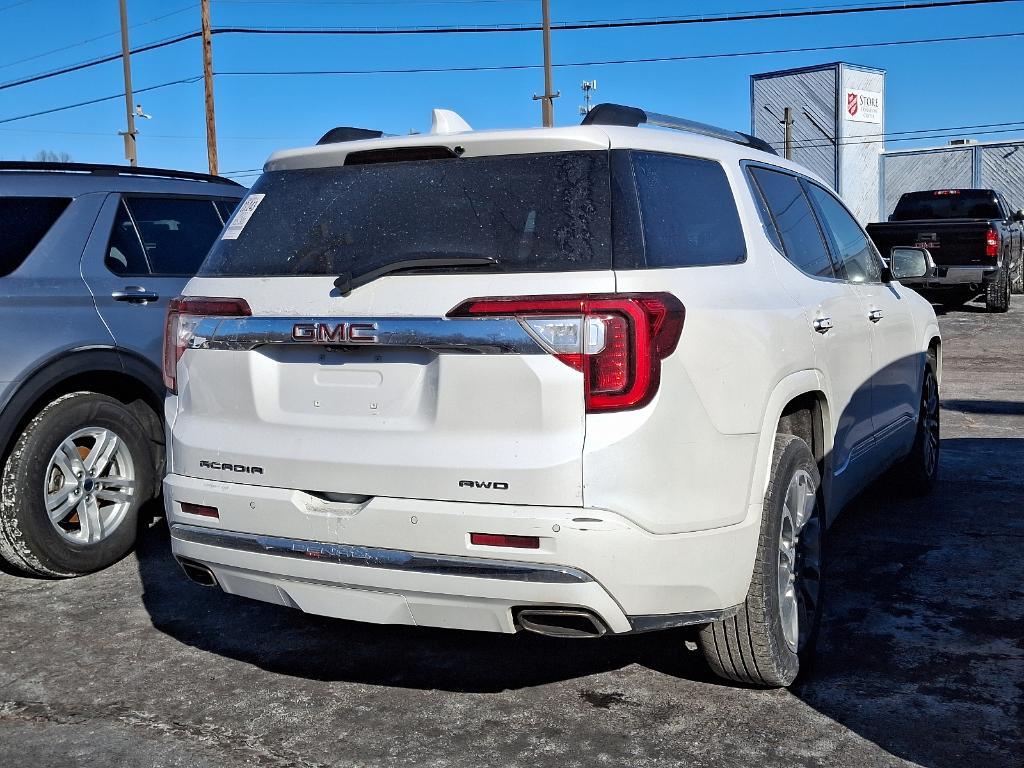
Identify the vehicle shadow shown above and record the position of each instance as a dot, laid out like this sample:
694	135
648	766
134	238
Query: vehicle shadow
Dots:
920	650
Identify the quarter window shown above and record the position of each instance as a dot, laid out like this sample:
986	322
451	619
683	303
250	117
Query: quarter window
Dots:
24	222
852	248
795	222
688	212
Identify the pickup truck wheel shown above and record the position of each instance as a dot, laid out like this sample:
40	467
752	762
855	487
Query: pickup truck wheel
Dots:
997	293
73	485
918	471
777	625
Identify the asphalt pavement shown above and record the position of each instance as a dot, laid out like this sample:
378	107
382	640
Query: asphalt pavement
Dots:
921	658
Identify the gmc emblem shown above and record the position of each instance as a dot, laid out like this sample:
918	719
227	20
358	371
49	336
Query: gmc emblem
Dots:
341	333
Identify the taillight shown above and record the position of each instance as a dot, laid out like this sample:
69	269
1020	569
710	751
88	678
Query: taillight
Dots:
992	243
183	314
616	340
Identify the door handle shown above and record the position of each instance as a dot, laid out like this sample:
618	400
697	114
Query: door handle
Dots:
822	324
135	294
875	315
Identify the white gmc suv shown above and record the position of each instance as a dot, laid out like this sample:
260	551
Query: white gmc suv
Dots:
576	381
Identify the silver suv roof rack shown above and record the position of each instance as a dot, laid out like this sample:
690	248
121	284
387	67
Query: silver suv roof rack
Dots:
632	117
99	169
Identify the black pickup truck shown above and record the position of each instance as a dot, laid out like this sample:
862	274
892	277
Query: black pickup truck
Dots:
976	242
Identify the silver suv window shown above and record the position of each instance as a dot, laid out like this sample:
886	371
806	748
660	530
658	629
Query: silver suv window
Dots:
163	235
24	221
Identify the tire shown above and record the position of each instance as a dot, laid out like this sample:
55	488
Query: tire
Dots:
997	293
918	472
774	633
1017	276
49	468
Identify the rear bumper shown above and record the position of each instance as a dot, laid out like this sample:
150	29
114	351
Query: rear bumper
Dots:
954	276
402	561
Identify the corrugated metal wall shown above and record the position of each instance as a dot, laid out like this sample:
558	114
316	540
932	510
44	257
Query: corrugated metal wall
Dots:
1002	169
985	166
814	91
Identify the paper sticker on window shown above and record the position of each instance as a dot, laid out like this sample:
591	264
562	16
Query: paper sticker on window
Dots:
242	215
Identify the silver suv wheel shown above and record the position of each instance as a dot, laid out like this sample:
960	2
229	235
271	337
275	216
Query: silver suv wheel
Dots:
799	558
89	485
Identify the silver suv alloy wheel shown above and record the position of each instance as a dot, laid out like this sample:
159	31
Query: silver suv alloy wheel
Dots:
89	485
799	558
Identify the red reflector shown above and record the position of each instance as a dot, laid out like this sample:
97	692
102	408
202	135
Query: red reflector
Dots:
199	509
502	540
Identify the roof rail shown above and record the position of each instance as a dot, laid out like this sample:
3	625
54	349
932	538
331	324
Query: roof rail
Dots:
99	169
344	133
618	114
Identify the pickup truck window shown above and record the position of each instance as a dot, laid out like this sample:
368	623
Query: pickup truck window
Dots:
948	204
795	222
850	245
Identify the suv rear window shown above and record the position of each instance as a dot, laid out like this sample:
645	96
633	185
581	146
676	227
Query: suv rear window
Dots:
531	213
687	210
24	221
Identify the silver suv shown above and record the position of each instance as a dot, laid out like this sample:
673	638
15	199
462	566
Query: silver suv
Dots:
89	255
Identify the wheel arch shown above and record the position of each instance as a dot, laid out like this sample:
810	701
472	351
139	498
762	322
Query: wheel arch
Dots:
127	377
799	405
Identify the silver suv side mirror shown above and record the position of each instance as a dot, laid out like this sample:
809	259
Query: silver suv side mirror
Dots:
910	263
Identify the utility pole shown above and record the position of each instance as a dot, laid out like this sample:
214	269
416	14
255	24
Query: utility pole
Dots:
547	107
211	122
130	149
787	122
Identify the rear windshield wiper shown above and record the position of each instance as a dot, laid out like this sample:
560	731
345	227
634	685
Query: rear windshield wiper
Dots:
346	283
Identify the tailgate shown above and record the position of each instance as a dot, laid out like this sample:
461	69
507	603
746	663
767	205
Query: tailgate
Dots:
431	408
951	243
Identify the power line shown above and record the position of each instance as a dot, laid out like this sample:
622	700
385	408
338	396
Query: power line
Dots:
80	43
606	62
99	100
502	28
512	67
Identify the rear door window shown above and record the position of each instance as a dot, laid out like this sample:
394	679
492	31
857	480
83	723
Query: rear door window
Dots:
687	210
795	222
167	236
547	212
24	222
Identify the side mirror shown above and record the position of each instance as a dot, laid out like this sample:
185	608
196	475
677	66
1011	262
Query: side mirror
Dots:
1019	215
910	263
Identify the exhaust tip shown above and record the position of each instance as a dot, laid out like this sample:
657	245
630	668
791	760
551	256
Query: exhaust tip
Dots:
561	622
198	573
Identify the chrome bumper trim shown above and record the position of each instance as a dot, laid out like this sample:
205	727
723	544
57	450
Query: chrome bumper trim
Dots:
371	557
486	335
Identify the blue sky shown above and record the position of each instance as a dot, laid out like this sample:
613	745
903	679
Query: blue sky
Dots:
929	86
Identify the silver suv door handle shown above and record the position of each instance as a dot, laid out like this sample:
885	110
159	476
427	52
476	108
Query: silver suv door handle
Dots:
135	294
875	315
822	324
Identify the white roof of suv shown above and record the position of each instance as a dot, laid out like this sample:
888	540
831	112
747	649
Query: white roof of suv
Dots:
450	130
